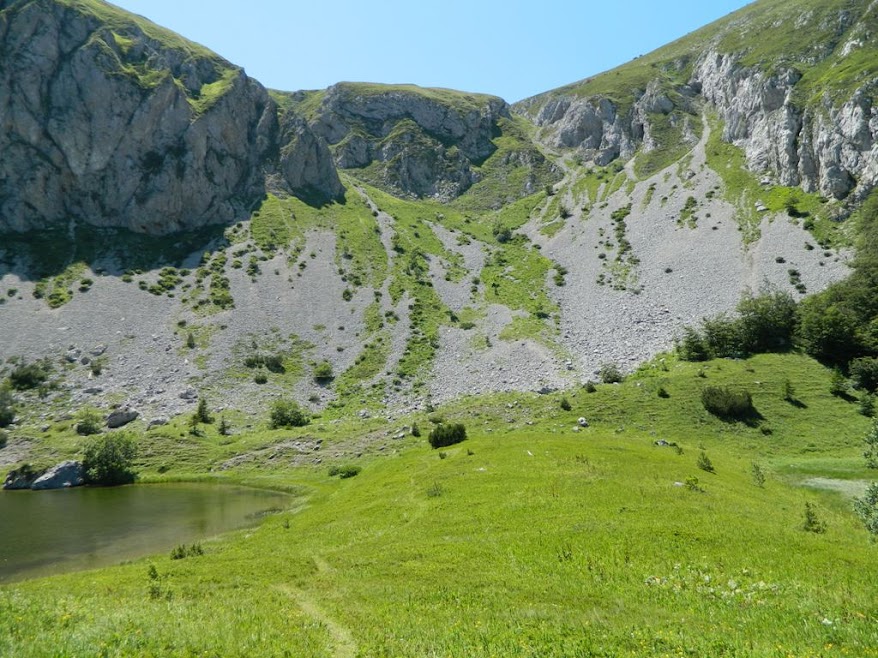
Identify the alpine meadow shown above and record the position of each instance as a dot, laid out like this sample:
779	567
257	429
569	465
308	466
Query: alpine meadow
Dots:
592	374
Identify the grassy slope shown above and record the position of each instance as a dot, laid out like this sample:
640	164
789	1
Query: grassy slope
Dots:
541	542
769	35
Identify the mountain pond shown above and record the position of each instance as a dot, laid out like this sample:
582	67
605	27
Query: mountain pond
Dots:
50	532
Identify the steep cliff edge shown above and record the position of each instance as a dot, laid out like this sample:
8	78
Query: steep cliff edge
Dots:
793	82
110	120
414	141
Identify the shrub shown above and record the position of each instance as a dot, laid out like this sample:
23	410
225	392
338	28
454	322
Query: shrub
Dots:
728	403
812	522
867	404
867	509
7	408
260	378
501	233
416	431
704	463
692	346
3	439
345	472
286	413
590	387
89	422
663	392
871	441
565	404
838	385
108	460
224	428
757	475
28	376
723	337
183	551
864	373
447	435
610	373
767	322
323	372
202	413
190	341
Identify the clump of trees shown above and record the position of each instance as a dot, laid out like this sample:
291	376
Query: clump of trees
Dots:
447	435
108	460
287	414
728	403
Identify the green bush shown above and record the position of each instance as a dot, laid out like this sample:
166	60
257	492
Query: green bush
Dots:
323	372
286	413
692	346
728	403
27	376
866	508
704	463
812	522
610	373
7	408
88	422
565	404
870	453
202	413
864	373
108	460
345	472
447	435
3	439
183	551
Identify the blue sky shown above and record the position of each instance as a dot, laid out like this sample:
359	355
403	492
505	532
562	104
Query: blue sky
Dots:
513	48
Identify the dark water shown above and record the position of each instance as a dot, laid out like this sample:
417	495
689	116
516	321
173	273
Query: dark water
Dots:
48	532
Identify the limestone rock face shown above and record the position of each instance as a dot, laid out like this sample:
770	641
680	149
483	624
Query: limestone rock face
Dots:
112	121
825	147
822	145
425	142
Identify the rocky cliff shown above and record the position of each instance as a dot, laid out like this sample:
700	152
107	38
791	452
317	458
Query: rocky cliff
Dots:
792	84
419	142
110	120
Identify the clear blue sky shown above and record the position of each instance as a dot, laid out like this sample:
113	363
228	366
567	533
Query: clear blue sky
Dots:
511	48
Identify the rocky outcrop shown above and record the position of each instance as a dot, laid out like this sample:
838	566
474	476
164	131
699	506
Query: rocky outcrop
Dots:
823	146
425	142
64	475
121	417
113	121
603	130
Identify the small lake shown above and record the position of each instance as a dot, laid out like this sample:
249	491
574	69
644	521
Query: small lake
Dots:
49	532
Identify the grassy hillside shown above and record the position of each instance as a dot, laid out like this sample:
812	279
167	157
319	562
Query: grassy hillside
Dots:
808	35
528	539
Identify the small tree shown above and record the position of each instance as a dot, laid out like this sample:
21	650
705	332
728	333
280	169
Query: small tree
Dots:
867	509
610	373
89	422
704	463
838	385
864	373
789	392
7	408
323	372
565	404
190	341
108	460
224	429
812	522
286	413
871	441
202	413
757	475
447	435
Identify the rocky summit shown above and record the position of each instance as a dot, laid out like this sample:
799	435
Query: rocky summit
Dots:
412	245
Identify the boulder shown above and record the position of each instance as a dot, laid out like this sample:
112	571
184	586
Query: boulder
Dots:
21	478
121	417
64	475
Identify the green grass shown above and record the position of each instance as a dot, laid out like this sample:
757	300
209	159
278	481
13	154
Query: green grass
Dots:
525	540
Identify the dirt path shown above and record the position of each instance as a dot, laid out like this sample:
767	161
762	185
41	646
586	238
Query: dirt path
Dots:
342	639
